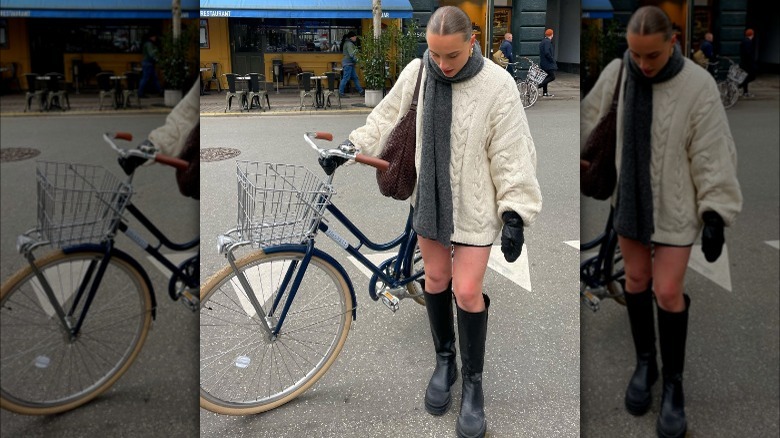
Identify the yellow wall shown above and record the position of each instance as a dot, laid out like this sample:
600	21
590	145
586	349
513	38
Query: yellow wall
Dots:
18	50
219	48
476	10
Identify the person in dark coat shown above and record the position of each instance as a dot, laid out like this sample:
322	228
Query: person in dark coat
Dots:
709	52
547	61
506	49
747	61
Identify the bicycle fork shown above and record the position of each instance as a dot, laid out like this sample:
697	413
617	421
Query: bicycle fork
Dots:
271	323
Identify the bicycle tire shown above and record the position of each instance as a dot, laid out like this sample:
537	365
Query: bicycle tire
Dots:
234	366
729	93
533	91
613	265
43	371
525	96
414	288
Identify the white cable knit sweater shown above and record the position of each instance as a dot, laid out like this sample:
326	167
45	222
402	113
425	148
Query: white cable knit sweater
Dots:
492	160
694	160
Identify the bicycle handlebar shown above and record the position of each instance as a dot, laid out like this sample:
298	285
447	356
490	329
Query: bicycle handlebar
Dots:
148	153
343	151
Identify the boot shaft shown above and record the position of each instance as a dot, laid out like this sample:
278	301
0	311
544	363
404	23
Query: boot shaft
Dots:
673	333
639	307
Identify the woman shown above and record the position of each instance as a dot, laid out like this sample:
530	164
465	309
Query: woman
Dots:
476	167
676	165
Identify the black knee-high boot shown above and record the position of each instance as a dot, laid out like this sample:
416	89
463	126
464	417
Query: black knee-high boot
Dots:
640	315
472	332
672	333
437	395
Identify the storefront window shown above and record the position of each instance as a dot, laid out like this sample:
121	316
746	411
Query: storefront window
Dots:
204	34
88	37
3	33
272	35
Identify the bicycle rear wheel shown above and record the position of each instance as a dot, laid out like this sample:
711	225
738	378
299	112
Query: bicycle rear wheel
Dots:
525	93
242	370
613	266
43	370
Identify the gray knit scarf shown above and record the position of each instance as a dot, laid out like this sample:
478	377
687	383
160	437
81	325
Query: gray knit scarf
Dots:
433	208
634	205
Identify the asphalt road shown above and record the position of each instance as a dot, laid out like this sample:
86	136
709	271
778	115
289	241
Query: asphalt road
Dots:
731	370
157	397
376	386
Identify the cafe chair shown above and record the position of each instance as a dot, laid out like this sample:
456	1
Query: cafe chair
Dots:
214	78
256	91
34	92
332	90
232	92
11	82
304	86
106	87
55	93
132	80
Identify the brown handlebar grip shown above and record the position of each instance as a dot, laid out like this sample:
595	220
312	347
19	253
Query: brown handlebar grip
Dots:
124	136
323	136
372	161
171	161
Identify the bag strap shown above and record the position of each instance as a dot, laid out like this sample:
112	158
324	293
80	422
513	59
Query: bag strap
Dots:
413	106
616	95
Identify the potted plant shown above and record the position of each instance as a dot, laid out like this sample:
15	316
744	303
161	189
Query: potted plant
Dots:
372	56
173	63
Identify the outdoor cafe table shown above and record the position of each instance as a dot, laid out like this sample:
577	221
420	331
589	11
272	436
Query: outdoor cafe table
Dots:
319	93
118	97
202	83
48	83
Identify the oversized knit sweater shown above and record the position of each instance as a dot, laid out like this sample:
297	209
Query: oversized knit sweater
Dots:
694	160
492	160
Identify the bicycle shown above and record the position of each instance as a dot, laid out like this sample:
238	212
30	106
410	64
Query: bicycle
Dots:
728	84
73	321
528	86
274	321
602	276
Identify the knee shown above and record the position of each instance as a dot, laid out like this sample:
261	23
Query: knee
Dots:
669	295
436	280
469	300
637	281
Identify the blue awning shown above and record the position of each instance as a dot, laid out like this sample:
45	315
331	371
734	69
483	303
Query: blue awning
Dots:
596	9
96	9
302	8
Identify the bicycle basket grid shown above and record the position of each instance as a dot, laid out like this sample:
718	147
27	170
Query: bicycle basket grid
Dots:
736	74
536	74
78	203
279	203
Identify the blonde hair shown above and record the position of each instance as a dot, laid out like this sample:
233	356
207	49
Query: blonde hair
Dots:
449	20
648	20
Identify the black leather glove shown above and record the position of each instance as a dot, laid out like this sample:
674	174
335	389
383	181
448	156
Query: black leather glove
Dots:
329	164
512	236
712	236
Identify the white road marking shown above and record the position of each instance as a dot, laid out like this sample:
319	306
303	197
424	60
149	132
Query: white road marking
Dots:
773	243
718	272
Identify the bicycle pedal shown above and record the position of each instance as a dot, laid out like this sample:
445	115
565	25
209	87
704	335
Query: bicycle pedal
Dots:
591	300
190	300
390	300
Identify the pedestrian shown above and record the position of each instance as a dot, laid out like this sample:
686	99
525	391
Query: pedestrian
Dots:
547	61
476	180
349	50
709	52
747	61
148	63
669	114
506	49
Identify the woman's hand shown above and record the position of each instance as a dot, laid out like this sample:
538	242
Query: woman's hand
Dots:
512	236
712	236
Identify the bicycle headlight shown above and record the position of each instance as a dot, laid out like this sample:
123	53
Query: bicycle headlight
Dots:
223	242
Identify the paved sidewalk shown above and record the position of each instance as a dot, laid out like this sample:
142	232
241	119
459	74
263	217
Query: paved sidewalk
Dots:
84	103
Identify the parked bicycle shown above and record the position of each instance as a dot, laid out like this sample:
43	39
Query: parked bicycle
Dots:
73	321
602	276
528	85
728	79
274	321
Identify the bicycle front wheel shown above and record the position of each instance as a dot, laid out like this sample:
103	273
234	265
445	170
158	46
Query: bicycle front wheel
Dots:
415	288
729	93
45	370
242	369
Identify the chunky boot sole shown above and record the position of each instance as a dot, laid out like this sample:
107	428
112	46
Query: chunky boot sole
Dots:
478	434
442	409
639	408
639	405
665	434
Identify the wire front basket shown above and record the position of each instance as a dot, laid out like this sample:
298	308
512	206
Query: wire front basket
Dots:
78	203
736	74
279	203
536	74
